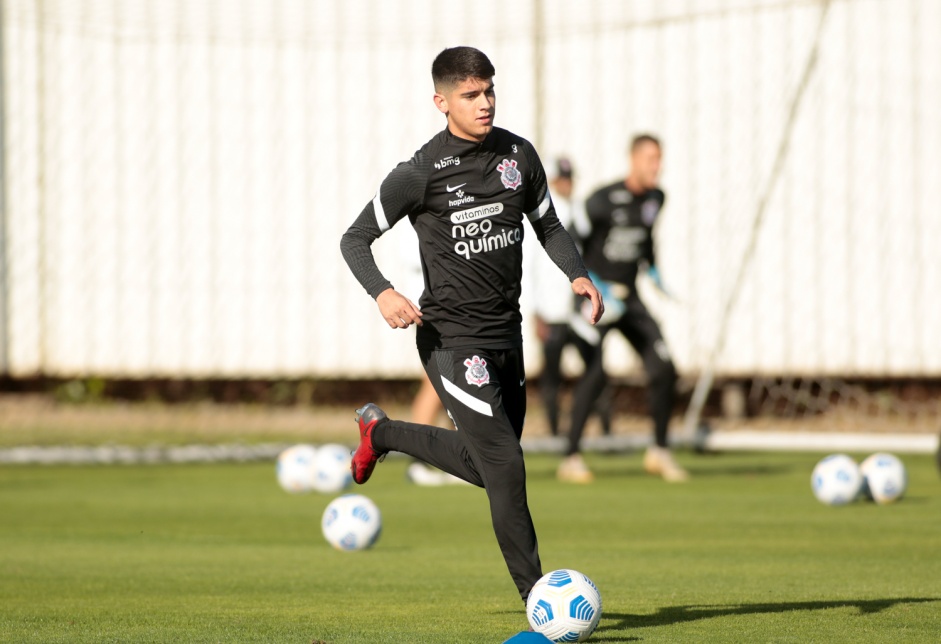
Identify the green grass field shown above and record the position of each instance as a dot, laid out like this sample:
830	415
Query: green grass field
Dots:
218	553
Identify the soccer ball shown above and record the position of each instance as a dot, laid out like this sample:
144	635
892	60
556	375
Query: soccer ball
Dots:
884	478
565	606
296	468
836	480
351	522
332	469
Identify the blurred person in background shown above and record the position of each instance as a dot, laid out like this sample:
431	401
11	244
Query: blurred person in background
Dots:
620	244
554	304
466	193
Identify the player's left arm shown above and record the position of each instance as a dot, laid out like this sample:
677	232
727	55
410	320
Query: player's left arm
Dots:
556	241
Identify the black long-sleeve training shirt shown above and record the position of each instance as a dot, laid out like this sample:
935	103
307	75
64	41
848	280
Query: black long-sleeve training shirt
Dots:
621	231
466	201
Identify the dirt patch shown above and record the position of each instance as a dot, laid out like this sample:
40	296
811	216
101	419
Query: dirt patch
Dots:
42	419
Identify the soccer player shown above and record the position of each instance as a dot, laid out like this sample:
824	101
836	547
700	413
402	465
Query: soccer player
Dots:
466	192
622	217
553	301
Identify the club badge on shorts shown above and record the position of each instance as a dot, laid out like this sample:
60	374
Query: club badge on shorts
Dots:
509	175
476	373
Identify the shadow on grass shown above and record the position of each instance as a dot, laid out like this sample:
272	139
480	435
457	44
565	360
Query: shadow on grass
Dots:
744	470
680	614
609	472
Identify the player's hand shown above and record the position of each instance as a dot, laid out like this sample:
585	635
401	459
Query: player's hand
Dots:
584	287
398	311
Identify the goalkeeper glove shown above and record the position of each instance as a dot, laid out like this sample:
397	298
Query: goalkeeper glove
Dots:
654	274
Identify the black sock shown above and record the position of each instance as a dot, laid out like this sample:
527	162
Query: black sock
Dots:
378	434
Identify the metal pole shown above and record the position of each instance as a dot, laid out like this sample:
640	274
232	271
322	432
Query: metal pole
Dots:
539	51
704	384
42	266
4	251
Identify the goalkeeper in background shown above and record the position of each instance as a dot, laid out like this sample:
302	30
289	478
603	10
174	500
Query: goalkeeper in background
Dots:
622	217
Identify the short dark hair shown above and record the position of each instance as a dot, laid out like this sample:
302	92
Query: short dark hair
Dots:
456	64
641	139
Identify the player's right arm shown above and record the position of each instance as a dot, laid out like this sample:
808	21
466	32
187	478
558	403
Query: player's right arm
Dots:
400	193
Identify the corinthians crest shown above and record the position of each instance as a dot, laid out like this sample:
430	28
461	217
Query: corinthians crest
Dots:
509	175
476	373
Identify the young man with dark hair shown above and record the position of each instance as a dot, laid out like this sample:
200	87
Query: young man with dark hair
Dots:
622	217
466	192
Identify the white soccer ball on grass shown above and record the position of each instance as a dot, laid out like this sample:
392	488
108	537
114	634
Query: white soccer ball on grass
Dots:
565	606
295	468
351	522
885	478
836	480
332	469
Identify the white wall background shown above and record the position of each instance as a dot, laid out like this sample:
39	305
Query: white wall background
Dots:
178	173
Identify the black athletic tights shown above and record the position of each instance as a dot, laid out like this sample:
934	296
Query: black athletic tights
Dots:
641	330
550	380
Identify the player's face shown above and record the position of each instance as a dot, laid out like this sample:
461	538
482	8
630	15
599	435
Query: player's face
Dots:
562	187
645	165
470	107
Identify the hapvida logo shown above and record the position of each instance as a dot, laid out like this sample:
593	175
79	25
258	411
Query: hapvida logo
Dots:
462	198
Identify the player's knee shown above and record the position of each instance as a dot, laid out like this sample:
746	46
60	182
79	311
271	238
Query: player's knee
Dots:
510	469
595	374
514	461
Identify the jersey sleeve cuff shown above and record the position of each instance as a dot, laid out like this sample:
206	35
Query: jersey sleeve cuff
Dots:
376	291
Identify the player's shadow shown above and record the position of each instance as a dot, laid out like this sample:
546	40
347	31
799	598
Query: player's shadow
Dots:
670	615
607	472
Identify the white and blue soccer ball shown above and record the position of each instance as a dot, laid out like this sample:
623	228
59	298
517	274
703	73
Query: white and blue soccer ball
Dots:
884	478
295	468
332	469
565	606
836	480
351	522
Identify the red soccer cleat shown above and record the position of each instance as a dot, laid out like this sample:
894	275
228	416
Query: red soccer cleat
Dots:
366	456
